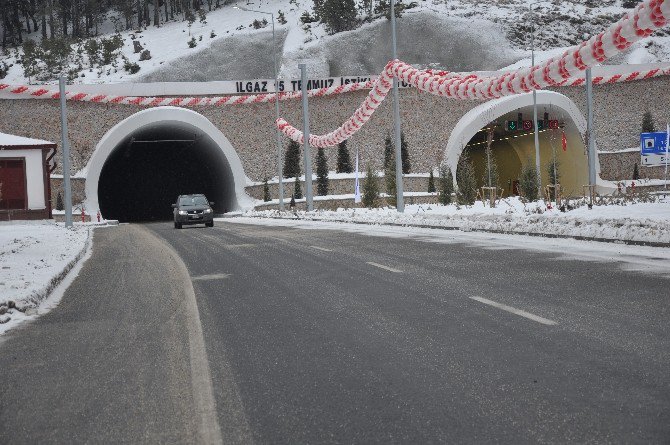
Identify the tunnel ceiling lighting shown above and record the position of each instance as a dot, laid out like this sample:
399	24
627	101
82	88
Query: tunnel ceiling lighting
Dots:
157	141
507	138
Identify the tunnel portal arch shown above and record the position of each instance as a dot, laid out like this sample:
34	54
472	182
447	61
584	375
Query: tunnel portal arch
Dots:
479	117
223	162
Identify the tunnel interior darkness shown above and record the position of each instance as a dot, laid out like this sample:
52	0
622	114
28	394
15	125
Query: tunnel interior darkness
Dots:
145	173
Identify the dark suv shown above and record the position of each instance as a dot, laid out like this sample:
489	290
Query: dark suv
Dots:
193	209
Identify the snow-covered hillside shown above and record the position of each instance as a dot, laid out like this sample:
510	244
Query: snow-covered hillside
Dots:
458	35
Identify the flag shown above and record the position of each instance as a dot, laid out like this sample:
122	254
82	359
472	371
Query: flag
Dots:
357	192
564	140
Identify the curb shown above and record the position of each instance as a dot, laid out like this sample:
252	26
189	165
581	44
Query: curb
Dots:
497	231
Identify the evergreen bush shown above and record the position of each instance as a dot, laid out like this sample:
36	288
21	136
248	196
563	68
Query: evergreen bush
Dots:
388	150
446	185
292	160
404	154
370	188
338	15
297	191
59	202
343	159
431	182
467	184
266	191
648	123
391	184
636	172
528	181
321	173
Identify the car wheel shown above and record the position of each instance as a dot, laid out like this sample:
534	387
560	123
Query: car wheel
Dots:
209	224
177	225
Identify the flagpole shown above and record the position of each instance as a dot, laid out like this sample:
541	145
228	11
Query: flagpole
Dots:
357	189
667	146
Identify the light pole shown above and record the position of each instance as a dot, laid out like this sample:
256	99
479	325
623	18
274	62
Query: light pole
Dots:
279	147
400	203
537	133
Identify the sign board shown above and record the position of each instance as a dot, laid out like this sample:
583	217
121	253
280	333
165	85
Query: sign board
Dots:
527	125
261	86
652	147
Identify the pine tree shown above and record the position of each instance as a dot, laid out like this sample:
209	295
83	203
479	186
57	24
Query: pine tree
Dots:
636	172
266	191
467	184
648	123
297	192
337	15
370	188
446	185
390	180
528	181
404	154
321	173
59	202
388	150
343	159
292	160
431	182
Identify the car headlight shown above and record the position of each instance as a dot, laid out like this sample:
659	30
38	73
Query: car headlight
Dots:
183	212
208	210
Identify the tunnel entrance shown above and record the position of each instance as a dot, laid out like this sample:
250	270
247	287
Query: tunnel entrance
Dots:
150	167
509	122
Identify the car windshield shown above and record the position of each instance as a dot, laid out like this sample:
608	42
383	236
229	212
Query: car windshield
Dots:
193	201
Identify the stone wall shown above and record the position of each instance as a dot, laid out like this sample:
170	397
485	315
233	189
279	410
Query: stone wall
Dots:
348	203
618	166
343	186
427	122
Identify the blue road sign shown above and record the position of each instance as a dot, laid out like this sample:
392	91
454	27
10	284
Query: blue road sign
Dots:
652	146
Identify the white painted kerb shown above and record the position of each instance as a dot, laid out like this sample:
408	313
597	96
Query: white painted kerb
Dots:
161	115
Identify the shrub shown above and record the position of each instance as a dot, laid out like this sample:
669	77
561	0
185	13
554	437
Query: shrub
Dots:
446	185
266	191
192	43
306	18
292	160
92	49
130	67
391	184
636	172
297	192
110	48
281	18
528	181
321	173
467	184
431	182
343	159
648	123
370	188
404	154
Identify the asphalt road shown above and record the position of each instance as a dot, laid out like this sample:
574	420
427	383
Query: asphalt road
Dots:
311	336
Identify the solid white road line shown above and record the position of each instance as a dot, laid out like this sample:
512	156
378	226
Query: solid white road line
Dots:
381	266
216	276
515	311
320	248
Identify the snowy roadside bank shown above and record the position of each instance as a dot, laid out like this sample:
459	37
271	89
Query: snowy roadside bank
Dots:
35	257
640	224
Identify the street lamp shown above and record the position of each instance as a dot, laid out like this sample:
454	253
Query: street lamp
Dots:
279	147
537	135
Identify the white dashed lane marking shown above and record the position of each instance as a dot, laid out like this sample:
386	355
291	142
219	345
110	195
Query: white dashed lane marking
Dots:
321	248
216	276
381	266
515	311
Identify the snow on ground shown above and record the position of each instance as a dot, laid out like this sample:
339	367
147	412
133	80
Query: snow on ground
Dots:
450	34
35	256
639	222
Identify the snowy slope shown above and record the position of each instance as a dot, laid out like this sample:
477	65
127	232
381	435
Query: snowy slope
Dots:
458	35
